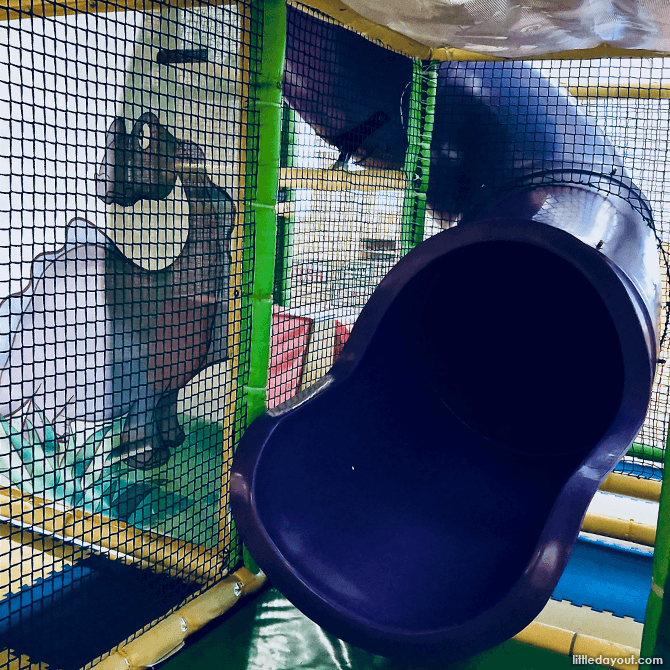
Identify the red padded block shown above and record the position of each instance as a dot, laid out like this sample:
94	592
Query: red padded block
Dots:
342	331
288	349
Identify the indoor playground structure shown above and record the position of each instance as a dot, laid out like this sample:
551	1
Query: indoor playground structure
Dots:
334	335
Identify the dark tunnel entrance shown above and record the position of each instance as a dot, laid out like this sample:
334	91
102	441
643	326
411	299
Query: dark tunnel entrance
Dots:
521	347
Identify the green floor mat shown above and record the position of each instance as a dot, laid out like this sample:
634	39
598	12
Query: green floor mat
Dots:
268	633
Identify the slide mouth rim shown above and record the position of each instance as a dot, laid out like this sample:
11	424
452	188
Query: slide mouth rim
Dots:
563	521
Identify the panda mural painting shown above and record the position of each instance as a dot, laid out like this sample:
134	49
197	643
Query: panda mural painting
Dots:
94	336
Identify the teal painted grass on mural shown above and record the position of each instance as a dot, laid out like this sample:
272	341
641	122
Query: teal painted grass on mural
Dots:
75	469
86	469
184	494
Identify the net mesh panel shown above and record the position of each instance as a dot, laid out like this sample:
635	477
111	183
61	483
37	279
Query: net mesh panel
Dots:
341	221
128	254
122	197
340	232
639	129
338	224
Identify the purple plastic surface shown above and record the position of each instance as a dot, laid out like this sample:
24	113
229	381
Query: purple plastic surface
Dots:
410	529
423	499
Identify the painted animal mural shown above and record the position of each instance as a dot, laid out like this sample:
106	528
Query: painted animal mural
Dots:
94	336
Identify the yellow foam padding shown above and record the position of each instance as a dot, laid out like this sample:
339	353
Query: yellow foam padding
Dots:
15	9
25	558
342	180
619	529
236	277
591	647
571	643
625	485
111	537
623	507
167	636
9	660
547	637
650	91
601	625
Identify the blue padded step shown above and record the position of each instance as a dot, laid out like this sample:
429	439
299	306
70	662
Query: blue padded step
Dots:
607	578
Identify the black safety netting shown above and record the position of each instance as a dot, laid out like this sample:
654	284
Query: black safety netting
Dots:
127	236
122	195
499	128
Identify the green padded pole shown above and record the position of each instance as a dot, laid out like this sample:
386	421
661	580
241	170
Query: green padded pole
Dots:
655	454
285	220
661	565
266	58
265	111
420	123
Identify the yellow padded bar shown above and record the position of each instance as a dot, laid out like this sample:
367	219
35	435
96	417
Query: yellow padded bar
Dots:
115	538
167	636
625	485
570	643
320	179
620	529
21	9
650	91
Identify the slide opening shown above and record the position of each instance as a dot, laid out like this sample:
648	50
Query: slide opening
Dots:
521	347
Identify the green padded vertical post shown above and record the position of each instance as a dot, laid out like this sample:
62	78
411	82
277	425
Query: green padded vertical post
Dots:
661	565
265	102
285	219
420	123
267	32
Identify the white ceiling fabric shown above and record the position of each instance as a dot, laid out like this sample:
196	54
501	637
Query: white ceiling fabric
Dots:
525	27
